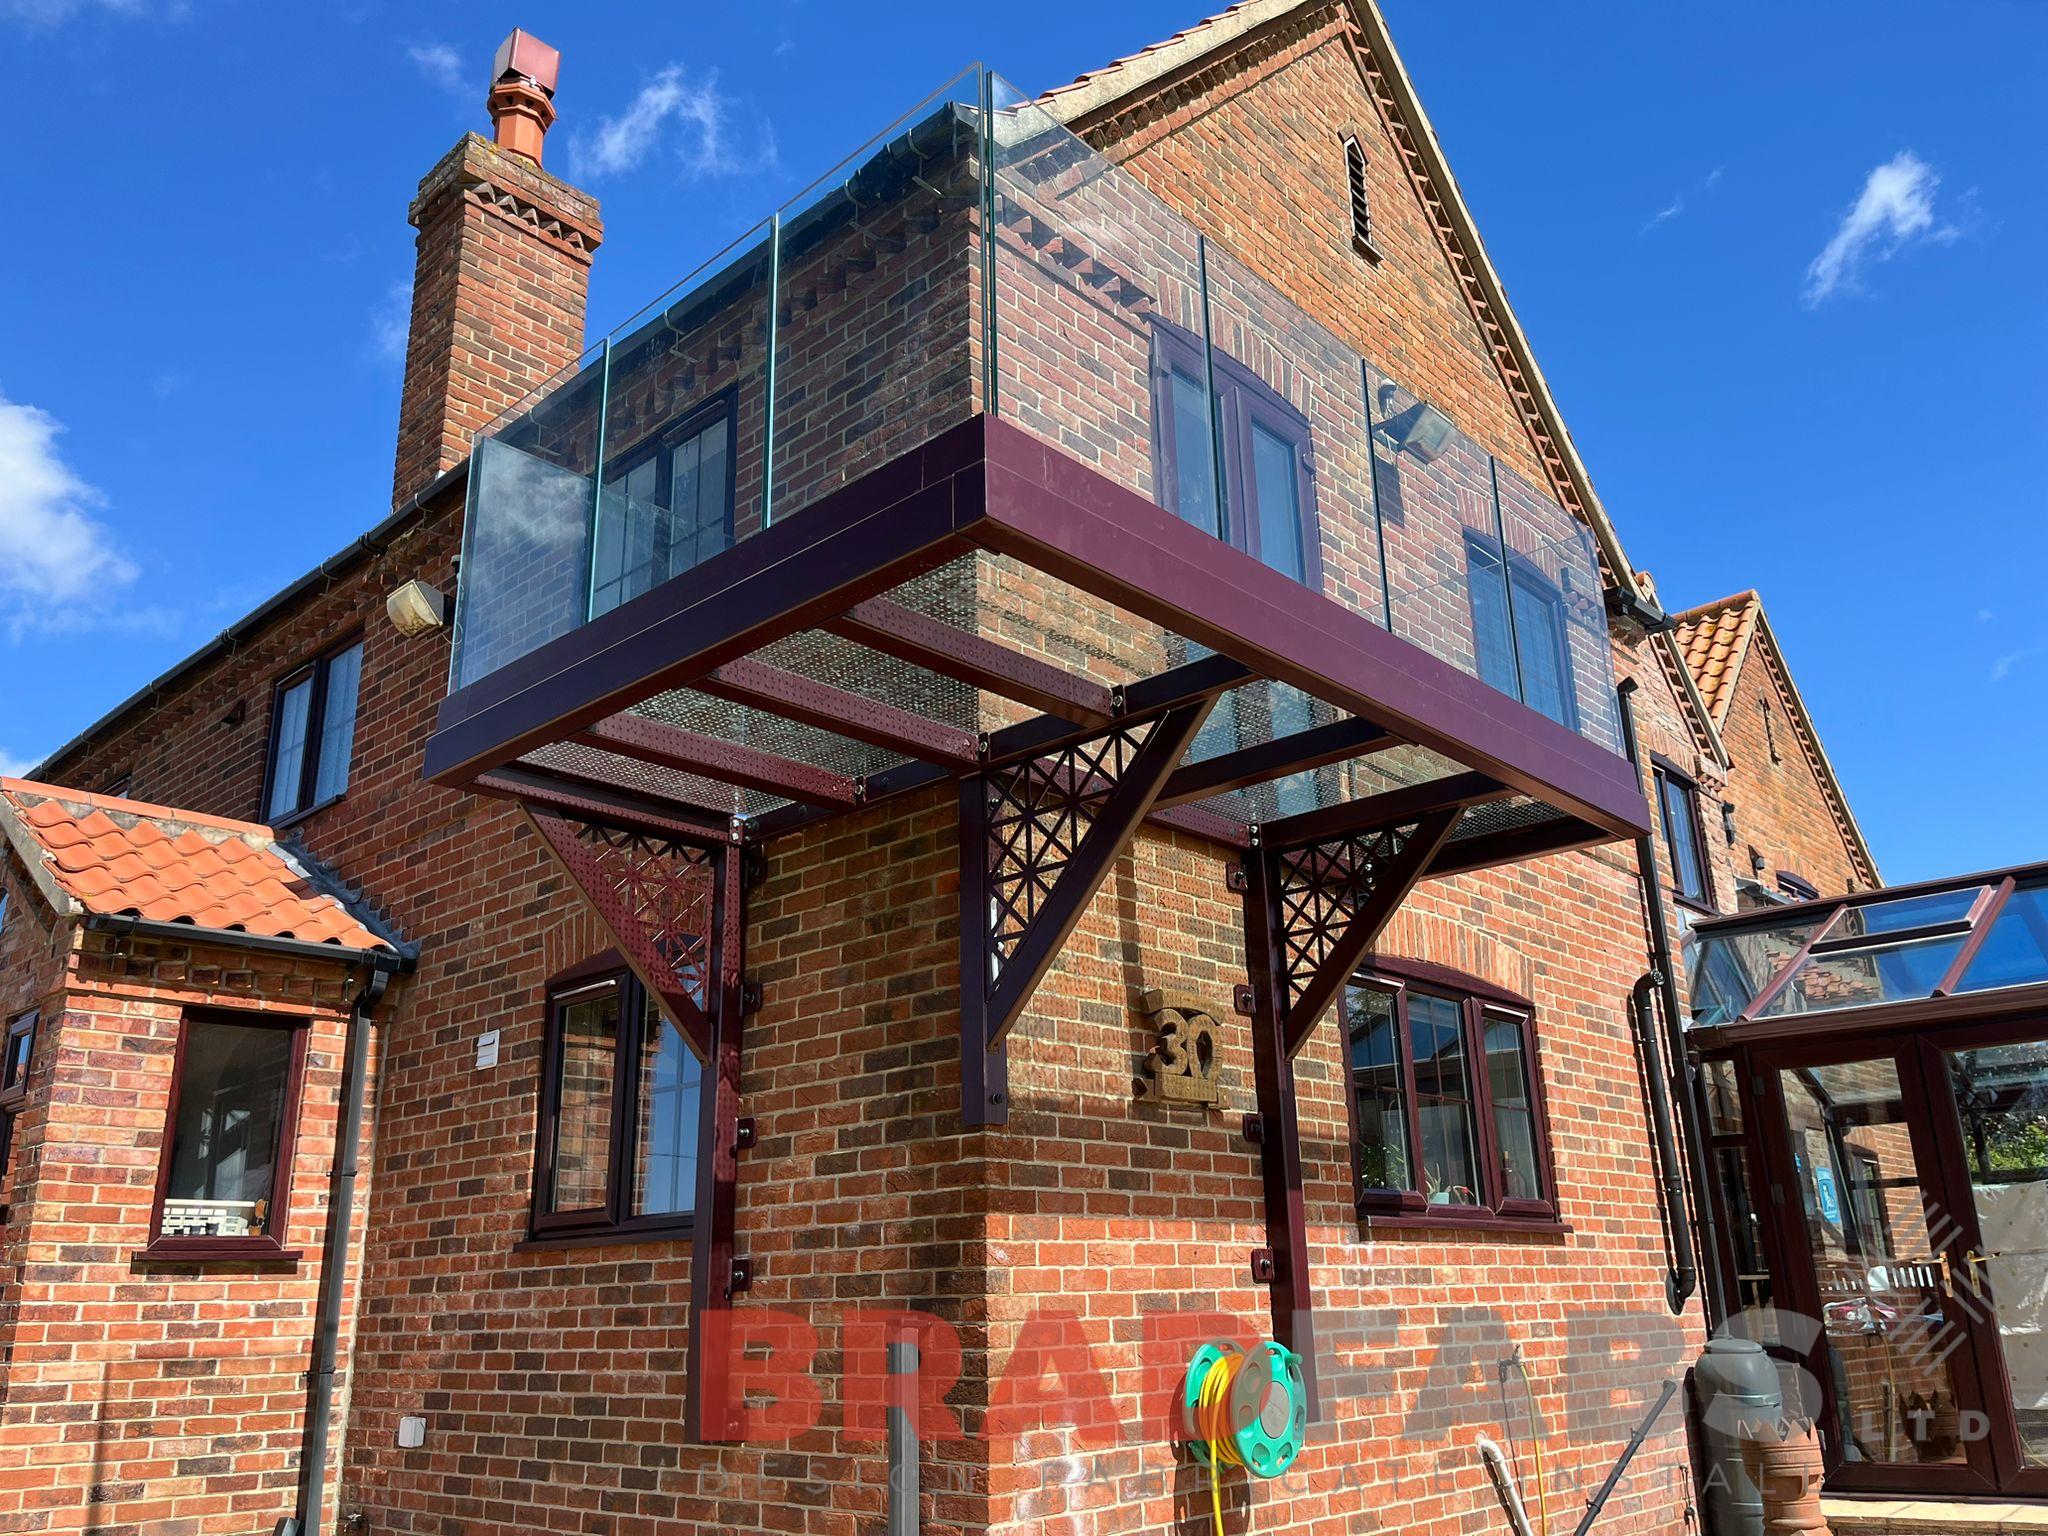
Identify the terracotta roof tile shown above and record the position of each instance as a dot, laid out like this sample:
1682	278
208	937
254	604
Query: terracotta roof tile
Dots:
1713	639
114	856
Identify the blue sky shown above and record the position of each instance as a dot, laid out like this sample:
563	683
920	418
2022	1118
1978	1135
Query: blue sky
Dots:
1780	263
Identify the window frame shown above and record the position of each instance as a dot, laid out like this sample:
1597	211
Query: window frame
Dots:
1479	1002
1242	402
270	1245
317	668
658	445
1522	577
1663	771
13	1089
614	1221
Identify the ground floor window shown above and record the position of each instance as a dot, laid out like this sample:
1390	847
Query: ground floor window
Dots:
620	1095
1447	1112
226	1169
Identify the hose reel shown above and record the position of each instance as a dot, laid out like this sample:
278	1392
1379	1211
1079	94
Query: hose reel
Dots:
1244	1409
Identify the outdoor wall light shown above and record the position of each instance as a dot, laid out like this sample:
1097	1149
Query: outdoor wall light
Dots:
416	608
1728	821
1421	429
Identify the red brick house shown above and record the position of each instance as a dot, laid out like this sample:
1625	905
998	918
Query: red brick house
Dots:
1031	759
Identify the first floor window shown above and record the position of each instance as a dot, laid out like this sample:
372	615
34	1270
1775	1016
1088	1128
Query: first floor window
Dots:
227	1148
1519	631
1446	1114
312	733
1679	811
667	506
619	1103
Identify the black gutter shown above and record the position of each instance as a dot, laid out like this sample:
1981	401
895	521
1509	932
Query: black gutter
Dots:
341	1201
1682	1081
127	925
366	547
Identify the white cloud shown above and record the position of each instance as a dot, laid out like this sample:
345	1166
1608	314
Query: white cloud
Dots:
441	65
1676	206
59	567
2005	665
695	121
391	323
1895	208
12	767
48	13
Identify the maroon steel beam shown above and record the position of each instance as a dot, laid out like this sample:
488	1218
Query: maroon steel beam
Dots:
668	746
1337	742
1492	849
1109	833
760	686
710	1406
944	648
895	523
1395	879
1075	524
984	1059
628	935
1388	809
582	800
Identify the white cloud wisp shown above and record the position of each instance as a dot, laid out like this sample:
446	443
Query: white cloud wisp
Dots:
56	559
695	119
1895	208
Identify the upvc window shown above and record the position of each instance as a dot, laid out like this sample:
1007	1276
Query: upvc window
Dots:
1268	503
1678	812
1447	1116
620	1102
312	733
1519	630
667	505
224	1178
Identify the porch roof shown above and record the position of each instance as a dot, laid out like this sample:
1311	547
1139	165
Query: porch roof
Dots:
1916	953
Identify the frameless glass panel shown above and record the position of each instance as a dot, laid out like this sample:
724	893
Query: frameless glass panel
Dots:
2001	1102
583	1122
2015	951
1443	1101
670	1088
338	722
1890	1324
877	343
526	549
1096	279
1514	1109
288	748
1880	917
1379	1094
1730	970
224	1142
1859	977
1560	615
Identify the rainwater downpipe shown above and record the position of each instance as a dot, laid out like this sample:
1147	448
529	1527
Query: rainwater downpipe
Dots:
1681	1081
341	1199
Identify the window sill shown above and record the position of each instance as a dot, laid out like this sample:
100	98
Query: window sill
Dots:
1367	249
295	817
610	1237
1483	1223
1695	905
227	1250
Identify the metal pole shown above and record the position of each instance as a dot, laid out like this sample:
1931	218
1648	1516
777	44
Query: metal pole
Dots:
604	405
905	1513
768	396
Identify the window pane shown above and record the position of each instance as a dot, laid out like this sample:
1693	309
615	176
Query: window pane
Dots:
1903	912
288	749
1681	837
338	723
1194	468
231	1087
1858	977
1378	1095
1443	1101
1514	1110
583	1119
1277	489
2016	949
711	497
665	1171
1539	629
1488	593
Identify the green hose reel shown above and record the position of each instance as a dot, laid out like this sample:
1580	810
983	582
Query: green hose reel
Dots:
1265	1411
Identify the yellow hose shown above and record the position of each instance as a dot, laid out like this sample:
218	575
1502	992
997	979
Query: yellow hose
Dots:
1212	1419
1536	1446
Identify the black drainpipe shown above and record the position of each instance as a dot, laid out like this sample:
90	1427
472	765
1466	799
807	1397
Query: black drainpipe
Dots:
341	1199
1682	1278
1681	1081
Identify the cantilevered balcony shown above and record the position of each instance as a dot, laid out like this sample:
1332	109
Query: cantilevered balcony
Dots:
976	449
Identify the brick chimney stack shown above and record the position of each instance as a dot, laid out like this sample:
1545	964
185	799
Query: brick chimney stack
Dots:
501	273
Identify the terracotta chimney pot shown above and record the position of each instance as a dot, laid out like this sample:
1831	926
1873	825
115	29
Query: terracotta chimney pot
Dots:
521	101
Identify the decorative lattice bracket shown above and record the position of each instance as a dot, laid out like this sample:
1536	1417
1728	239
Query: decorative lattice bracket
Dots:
657	899
1036	839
